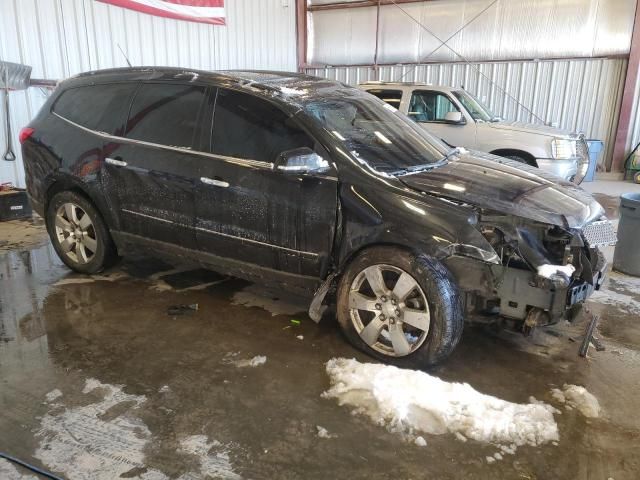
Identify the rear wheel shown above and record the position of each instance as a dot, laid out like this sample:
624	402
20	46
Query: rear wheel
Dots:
400	307
79	234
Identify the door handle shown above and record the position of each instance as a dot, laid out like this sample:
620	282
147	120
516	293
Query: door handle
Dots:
117	163
214	182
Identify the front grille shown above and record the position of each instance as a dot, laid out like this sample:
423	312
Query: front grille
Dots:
599	234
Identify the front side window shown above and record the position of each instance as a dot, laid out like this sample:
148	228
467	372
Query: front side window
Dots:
166	114
429	106
102	108
475	107
374	132
392	97
248	127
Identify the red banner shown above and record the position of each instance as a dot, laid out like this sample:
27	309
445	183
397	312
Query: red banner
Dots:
203	11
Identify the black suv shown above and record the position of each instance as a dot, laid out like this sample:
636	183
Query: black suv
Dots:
314	185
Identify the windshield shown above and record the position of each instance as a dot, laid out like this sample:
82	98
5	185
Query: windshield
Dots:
376	133
475	107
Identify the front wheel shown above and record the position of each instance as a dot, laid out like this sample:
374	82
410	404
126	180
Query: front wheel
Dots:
79	234
400	307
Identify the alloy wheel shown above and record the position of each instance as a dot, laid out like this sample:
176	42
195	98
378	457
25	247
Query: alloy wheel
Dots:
75	233
389	310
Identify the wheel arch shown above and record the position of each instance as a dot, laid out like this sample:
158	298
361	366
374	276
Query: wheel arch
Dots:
507	152
61	183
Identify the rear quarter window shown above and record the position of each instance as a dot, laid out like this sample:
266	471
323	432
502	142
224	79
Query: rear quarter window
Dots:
102	108
392	97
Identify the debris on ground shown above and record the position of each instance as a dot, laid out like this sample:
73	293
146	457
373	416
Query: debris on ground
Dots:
252	362
577	397
295	322
420	441
300	337
408	401
323	432
53	395
182	309
164	389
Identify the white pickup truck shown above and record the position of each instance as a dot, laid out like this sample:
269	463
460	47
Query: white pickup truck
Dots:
461	120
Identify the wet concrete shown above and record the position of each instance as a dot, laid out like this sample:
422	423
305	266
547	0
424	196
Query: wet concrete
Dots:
185	409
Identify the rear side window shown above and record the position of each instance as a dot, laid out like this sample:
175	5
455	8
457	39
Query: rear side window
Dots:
392	97
248	127
98	107
166	114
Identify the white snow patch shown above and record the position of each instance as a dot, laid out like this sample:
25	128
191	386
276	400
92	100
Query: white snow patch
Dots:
293	91
252	362
164	389
323	432
53	395
212	456
408	400
9	472
548	271
83	445
578	397
620	300
490	459
300	337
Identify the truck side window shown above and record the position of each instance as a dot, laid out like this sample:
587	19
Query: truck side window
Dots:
429	106
392	97
166	114
248	127
102	108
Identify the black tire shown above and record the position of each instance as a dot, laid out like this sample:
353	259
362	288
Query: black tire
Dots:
105	254
442	295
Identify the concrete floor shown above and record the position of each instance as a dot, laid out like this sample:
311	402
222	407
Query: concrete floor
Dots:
98	381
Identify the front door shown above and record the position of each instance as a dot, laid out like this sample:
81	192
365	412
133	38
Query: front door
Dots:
150	174
429	108
250	212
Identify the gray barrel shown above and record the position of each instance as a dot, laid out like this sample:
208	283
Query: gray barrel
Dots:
626	258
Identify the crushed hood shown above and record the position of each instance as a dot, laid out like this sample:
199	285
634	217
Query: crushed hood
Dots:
530	128
510	187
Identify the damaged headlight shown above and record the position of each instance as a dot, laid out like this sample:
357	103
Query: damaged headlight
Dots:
563	149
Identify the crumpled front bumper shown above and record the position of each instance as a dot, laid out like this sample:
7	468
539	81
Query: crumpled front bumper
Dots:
522	290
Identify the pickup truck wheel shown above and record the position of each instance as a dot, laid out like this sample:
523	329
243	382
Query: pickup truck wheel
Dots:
400	307
79	234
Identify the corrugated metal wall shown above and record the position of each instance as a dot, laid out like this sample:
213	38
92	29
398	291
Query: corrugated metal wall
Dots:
506	30
59	38
581	95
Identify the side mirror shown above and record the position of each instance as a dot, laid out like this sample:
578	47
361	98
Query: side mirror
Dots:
455	118
301	160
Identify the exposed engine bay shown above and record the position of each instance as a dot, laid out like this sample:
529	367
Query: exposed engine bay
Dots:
544	270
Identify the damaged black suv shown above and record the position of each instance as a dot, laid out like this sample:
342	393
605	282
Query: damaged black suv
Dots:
317	186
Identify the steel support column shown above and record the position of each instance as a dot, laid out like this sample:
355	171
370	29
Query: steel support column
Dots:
301	34
628	98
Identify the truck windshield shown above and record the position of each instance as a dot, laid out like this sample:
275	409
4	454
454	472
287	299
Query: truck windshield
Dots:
475	107
376	133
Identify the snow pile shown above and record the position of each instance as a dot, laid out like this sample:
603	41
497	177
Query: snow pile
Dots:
409	401
252	362
212	457
578	397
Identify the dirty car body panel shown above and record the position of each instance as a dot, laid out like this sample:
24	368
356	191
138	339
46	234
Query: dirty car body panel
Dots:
516	242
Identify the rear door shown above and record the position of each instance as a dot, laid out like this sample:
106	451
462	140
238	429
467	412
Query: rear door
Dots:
246	210
150	173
